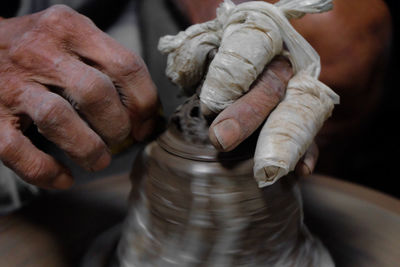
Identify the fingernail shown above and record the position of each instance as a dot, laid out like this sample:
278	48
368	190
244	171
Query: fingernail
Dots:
63	181
227	133
103	161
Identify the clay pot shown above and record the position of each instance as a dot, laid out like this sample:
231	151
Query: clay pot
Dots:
194	206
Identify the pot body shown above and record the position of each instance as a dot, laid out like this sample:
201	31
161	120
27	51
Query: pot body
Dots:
199	211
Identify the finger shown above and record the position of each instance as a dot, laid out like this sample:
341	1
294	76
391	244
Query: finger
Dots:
31	164
291	127
127	71
244	52
93	94
241	119
59	123
307	163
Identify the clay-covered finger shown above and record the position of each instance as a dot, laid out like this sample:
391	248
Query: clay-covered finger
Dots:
31	164
292	127
59	123
248	43
242	118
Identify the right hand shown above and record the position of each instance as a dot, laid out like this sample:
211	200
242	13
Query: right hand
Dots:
80	88
238	121
349	57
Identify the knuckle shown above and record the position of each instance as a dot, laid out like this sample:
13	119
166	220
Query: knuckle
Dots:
282	68
23	47
120	133
33	51
50	112
95	90
56	15
255	110
117	129
129	64
89	152
273	86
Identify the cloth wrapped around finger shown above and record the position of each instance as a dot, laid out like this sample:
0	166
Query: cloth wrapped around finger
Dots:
248	36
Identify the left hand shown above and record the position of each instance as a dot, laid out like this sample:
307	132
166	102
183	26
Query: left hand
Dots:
82	90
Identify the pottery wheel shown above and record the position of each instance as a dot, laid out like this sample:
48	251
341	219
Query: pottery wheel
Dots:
360	227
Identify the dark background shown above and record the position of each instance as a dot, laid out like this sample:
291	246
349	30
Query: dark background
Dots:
377	164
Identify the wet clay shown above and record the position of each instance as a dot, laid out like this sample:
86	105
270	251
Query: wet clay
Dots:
193	206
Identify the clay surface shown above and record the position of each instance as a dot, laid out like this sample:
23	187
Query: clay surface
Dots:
193	206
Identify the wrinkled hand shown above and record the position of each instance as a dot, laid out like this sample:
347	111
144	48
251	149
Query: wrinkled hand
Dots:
238	121
80	88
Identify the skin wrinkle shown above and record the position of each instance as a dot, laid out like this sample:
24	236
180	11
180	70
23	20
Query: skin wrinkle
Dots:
274	79
252	108
11	100
271	95
8	147
94	89
129	66
8	151
91	94
35	171
50	71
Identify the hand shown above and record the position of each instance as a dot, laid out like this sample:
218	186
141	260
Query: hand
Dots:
80	88
243	53
237	122
348	56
